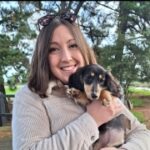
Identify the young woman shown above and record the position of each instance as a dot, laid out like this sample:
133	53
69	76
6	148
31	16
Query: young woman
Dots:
42	122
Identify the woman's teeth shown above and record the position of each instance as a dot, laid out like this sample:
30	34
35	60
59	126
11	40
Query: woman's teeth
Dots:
68	68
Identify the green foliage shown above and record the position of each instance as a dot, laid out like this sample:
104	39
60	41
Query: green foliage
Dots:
128	57
137	91
139	115
126	50
10	91
136	102
14	51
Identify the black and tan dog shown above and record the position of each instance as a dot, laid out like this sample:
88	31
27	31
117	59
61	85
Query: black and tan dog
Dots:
93	82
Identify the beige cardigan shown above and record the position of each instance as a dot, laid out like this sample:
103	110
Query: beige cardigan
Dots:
57	123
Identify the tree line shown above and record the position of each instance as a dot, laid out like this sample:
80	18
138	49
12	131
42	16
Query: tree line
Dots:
118	32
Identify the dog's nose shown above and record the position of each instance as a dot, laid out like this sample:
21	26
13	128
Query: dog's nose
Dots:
94	96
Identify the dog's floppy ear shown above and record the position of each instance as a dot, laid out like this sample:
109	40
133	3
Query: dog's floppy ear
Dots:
112	84
76	80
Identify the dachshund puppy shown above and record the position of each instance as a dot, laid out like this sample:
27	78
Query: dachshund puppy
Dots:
93	82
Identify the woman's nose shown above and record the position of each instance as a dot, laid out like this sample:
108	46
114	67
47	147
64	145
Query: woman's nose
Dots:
66	54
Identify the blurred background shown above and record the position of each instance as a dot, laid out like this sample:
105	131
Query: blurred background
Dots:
118	32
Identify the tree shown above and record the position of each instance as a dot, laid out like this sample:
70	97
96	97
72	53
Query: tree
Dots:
13	49
128	56
125	50
14	30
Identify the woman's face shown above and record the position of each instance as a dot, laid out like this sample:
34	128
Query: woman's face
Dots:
65	56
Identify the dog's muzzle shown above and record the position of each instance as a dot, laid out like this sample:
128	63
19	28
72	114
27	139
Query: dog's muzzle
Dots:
94	96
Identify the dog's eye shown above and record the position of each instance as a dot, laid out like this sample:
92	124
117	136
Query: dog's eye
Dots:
101	79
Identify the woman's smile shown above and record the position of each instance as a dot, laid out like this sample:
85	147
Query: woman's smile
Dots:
65	56
69	68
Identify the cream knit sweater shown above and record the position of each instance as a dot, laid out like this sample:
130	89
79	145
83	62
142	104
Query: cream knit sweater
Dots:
57	123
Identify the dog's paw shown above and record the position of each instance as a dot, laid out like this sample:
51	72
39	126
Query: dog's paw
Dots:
106	98
73	92
106	102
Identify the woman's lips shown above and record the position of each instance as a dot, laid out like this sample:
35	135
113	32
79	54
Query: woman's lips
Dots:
71	68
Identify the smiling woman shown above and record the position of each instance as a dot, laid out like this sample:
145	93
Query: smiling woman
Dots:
55	121
64	55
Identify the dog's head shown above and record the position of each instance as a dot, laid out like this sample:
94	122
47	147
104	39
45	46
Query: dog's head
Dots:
92	79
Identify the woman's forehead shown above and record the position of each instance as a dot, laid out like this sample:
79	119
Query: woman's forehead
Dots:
62	32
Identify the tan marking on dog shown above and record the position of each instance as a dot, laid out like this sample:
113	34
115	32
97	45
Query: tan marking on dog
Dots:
106	97
78	96
72	92
51	85
82	99
88	91
100	77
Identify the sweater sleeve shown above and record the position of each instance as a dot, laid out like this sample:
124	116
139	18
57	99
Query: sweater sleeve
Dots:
138	137
31	128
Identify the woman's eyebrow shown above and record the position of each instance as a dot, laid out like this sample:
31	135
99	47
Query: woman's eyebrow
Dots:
54	43
71	40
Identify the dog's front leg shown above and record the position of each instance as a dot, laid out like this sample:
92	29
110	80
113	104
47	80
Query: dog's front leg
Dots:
82	99
78	96
106	97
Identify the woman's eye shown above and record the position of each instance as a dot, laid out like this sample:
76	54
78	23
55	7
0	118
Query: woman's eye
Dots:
54	50
73	46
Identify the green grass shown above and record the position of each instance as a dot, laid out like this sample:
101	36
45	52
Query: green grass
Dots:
137	102
143	92
11	92
139	115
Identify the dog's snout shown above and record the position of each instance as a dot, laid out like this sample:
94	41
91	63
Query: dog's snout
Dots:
94	96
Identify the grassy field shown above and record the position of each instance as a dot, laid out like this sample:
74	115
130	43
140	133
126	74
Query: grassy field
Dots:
140	116
12	92
139	91
132	90
136	98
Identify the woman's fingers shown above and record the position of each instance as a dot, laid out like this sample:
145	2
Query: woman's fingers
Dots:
103	114
115	106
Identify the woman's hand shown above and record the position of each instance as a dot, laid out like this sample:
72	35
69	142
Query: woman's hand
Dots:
103	114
